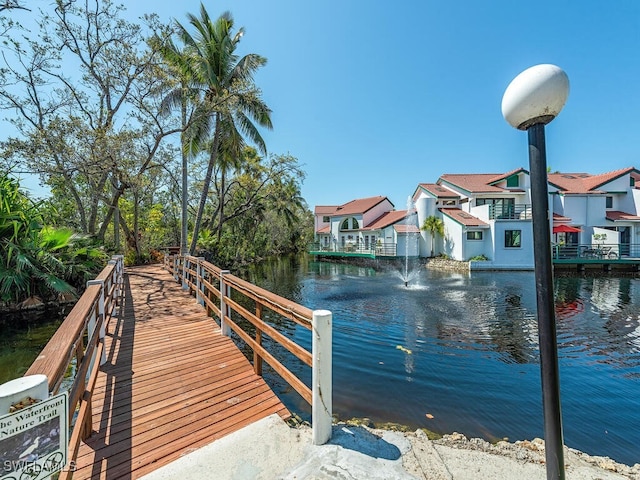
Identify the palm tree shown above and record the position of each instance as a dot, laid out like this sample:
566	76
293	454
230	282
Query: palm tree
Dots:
433	225
180	97
230	106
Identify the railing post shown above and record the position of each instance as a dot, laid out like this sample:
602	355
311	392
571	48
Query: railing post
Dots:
199	284
184	273
257	359
119	291
34	386
176	276
224	310
321	408
101	314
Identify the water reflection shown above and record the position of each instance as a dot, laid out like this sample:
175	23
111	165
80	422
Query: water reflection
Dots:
464	349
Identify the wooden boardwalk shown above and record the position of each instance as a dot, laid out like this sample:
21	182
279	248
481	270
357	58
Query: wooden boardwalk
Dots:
171	383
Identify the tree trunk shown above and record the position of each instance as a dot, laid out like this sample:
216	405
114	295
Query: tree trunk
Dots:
205	189
114	203
221	203
185	184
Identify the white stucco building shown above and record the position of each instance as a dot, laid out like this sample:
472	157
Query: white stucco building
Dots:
487	216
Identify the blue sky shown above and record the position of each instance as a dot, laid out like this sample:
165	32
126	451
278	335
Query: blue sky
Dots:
376	97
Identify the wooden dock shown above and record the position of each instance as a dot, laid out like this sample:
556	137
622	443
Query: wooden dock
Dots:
172	383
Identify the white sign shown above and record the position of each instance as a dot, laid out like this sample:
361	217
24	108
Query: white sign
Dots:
33	440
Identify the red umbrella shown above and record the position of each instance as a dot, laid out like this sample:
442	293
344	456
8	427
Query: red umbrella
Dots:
565	229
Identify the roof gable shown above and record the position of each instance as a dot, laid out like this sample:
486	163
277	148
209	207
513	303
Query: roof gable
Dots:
473	182
436	190
463	218
359	205
386	219
585	182
499	178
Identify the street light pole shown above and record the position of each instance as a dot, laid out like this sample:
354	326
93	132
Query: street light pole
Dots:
547	340
533	99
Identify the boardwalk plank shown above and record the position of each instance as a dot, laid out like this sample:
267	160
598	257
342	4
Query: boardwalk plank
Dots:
171	383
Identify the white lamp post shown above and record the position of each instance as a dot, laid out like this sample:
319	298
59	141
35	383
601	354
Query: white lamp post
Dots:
533	99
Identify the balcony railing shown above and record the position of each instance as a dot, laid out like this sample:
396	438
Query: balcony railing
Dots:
510	212
376	250
608	251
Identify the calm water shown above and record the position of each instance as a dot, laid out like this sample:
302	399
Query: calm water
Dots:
474	363
22	340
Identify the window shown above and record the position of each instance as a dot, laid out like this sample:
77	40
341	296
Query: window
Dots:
495	201
474	235
513	238
448	202
499	207
513	181
632	181
609	202
325	219
349	224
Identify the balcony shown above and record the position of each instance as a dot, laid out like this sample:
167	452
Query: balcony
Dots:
520	211
354	250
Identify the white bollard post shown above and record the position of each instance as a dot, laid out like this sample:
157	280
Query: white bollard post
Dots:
321	378
224	311
101	313
34	386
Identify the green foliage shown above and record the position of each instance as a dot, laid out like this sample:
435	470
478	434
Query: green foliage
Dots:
36	260
265	214
433	225
227	105
479	258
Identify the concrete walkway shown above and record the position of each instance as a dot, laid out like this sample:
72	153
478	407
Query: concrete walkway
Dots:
269	449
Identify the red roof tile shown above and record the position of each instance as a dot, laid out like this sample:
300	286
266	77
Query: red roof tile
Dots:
504	176
560	218
463	217
325	229
386	219
615	215
474	182
360	205
437	191
402	228
324	209
585	182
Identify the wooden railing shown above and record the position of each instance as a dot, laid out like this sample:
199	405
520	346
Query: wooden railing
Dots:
87	320
214	288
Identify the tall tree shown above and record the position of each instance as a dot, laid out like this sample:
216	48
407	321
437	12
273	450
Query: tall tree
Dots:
89	134
230	108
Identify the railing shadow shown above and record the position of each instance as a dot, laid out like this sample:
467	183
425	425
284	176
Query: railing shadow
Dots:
118	384
361	440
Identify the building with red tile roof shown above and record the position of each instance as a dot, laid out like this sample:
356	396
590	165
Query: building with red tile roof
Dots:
367	226
489	215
